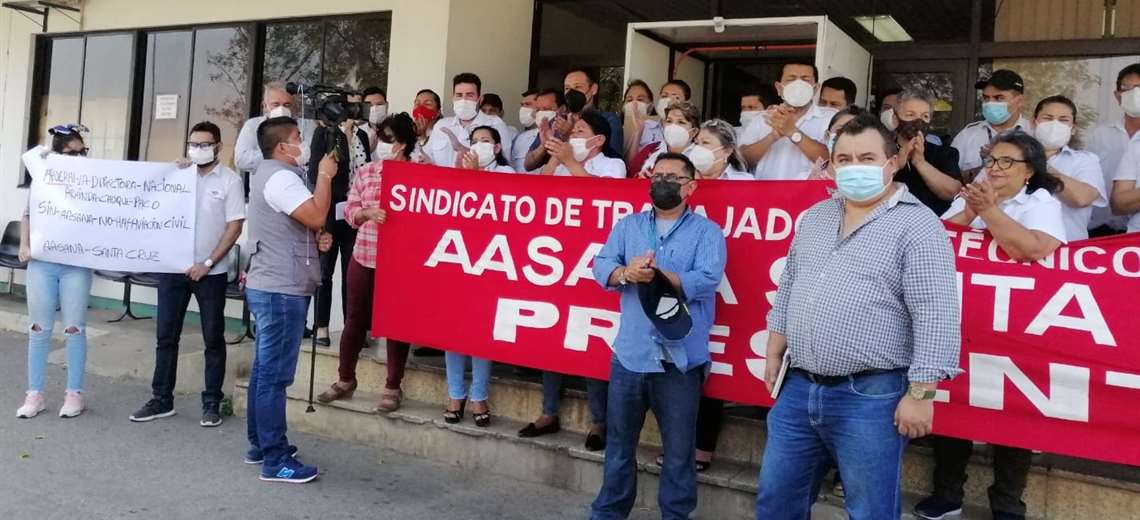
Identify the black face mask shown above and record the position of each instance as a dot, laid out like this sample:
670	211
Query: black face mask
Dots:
665	195
910	129
575	101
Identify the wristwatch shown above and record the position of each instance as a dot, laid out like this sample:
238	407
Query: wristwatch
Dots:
796	137
919	393
209	262
621	278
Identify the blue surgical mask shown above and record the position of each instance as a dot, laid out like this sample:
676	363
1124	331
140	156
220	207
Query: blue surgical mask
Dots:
860	182
995	112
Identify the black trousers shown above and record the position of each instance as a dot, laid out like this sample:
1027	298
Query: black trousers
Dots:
174	291
1011	470
710	417
344	238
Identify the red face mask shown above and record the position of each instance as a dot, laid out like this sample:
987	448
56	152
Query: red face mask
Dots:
424	112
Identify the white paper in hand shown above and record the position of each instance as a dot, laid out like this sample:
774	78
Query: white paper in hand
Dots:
783	373
338	213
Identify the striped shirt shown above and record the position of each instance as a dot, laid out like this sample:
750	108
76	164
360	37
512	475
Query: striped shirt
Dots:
364	194
883	297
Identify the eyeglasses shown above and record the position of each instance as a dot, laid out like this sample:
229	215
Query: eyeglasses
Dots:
671	177
1004	163
68	129
199	146
76	153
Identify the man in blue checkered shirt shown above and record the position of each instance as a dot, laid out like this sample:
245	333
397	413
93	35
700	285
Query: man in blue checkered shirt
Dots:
867	311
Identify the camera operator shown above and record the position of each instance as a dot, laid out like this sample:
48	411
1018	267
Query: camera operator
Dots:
275	102
350	144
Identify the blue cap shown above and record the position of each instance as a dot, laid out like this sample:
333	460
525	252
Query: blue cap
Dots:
665	307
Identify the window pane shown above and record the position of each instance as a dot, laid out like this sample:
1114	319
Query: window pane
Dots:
939	86
293	53
220	84
167	74
106	94
356	52
60	101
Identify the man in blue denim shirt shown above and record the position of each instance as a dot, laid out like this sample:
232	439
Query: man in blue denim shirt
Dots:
649	372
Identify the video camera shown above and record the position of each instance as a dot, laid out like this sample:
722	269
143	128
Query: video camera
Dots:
329	103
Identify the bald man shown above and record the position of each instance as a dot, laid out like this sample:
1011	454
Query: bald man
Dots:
275	101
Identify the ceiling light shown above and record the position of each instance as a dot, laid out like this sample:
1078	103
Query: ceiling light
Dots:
884	28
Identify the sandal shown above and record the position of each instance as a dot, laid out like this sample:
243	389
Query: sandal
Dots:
336	393
454	416
390	400
482	419
700	465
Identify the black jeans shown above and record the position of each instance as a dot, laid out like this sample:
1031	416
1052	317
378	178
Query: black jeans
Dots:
1011	470
344	238
710	417
174	291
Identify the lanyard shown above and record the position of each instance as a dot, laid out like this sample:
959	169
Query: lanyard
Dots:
653	228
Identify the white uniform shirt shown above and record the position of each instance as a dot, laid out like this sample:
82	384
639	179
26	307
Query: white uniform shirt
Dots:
1085	167
732	174
520	147
285	191
1109	142
247	153
1039	211
220	200
651	132
439	144
599	166
1129	170
970	140
498	168
784	160
661	148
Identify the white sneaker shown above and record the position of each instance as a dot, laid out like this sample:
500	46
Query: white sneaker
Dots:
72	405
33	405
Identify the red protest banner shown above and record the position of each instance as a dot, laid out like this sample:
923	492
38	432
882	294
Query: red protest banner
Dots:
498	266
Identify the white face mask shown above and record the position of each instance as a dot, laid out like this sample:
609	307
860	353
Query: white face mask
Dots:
663	105
484	152
303	158
702	158
887	117
1053	134
465	109
526	116
377	113
676	136
748	116
640	108
581	151
280	112
200	156
798	93
543	116
383	151
1130	102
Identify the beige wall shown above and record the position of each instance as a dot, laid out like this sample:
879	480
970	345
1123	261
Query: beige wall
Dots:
491	39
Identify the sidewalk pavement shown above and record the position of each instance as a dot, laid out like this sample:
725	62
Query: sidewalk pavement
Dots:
102	466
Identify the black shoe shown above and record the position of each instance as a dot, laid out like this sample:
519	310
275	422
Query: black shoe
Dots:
427	352
324	342
153	409
531	430
211	418
998	515
595	442
308	333
937	508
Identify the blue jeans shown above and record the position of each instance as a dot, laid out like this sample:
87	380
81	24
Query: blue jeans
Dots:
673	396
851	424
456	365
280	325
66	287
174	291
595	396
